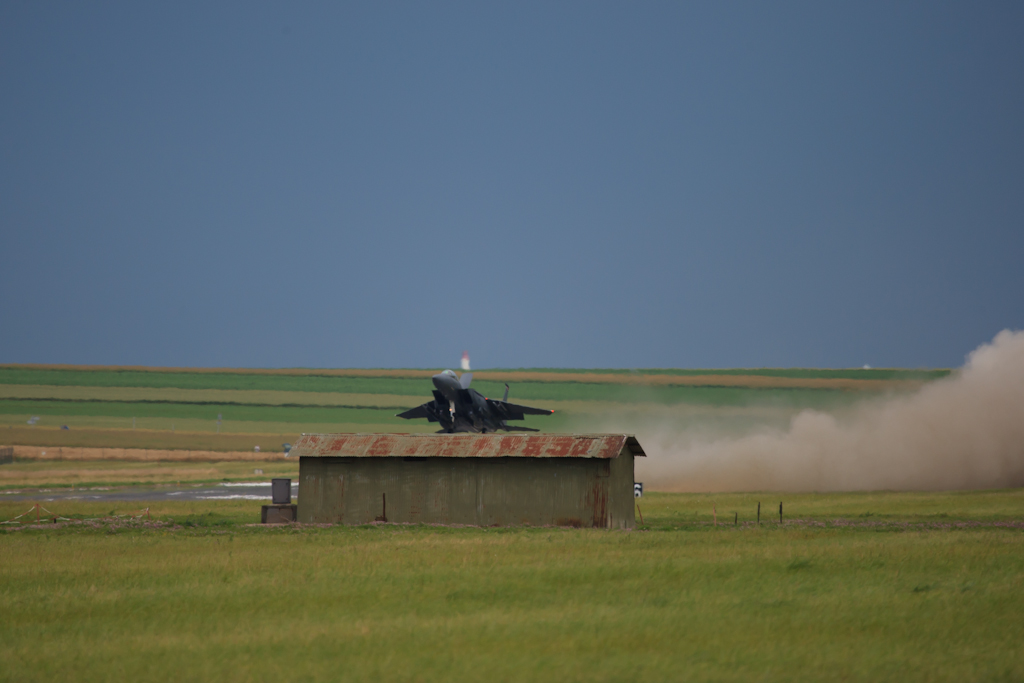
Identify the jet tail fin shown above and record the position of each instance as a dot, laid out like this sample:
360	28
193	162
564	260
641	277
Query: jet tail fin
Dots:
505	400
466	378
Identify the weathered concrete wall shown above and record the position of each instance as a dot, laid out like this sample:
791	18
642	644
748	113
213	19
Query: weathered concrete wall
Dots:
583	492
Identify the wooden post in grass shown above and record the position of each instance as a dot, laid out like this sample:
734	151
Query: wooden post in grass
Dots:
780	512
714	513
641	514
758	512
37	513
736	521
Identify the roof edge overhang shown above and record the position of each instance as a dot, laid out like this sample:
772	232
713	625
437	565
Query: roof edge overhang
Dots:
634	446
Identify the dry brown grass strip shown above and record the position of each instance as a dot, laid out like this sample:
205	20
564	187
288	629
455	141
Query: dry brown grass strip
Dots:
337	372
85	474
138	454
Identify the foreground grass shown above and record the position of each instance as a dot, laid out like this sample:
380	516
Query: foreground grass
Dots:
681	510
223	514
661	511
215	599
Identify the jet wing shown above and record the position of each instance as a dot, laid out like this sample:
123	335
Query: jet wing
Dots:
511	411
434	410
413	413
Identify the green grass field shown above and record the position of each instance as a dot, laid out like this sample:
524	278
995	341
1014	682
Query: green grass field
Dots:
857	587
854	586
314	380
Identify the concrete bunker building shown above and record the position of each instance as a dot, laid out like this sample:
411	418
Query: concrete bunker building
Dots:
579	480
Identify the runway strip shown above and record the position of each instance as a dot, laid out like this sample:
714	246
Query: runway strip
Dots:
226	491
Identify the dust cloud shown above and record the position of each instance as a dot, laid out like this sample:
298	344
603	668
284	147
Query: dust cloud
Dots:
965	431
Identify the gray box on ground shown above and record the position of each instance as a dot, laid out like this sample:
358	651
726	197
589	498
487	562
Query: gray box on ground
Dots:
281	491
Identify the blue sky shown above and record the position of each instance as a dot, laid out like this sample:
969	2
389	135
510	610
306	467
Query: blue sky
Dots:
580	184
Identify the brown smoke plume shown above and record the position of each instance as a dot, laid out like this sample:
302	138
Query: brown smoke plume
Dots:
965	431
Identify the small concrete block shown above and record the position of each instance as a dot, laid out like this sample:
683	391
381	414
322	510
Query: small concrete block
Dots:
279	514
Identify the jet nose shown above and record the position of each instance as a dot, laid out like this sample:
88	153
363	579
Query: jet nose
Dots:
437	379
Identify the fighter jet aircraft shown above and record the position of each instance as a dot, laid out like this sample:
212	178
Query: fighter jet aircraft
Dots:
461	409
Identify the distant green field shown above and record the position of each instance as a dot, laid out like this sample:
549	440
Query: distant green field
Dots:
823	373
383	385
187	380
567	390
171	401
867	587
667	395
239	413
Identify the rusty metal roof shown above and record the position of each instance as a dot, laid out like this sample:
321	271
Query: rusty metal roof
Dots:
465	445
